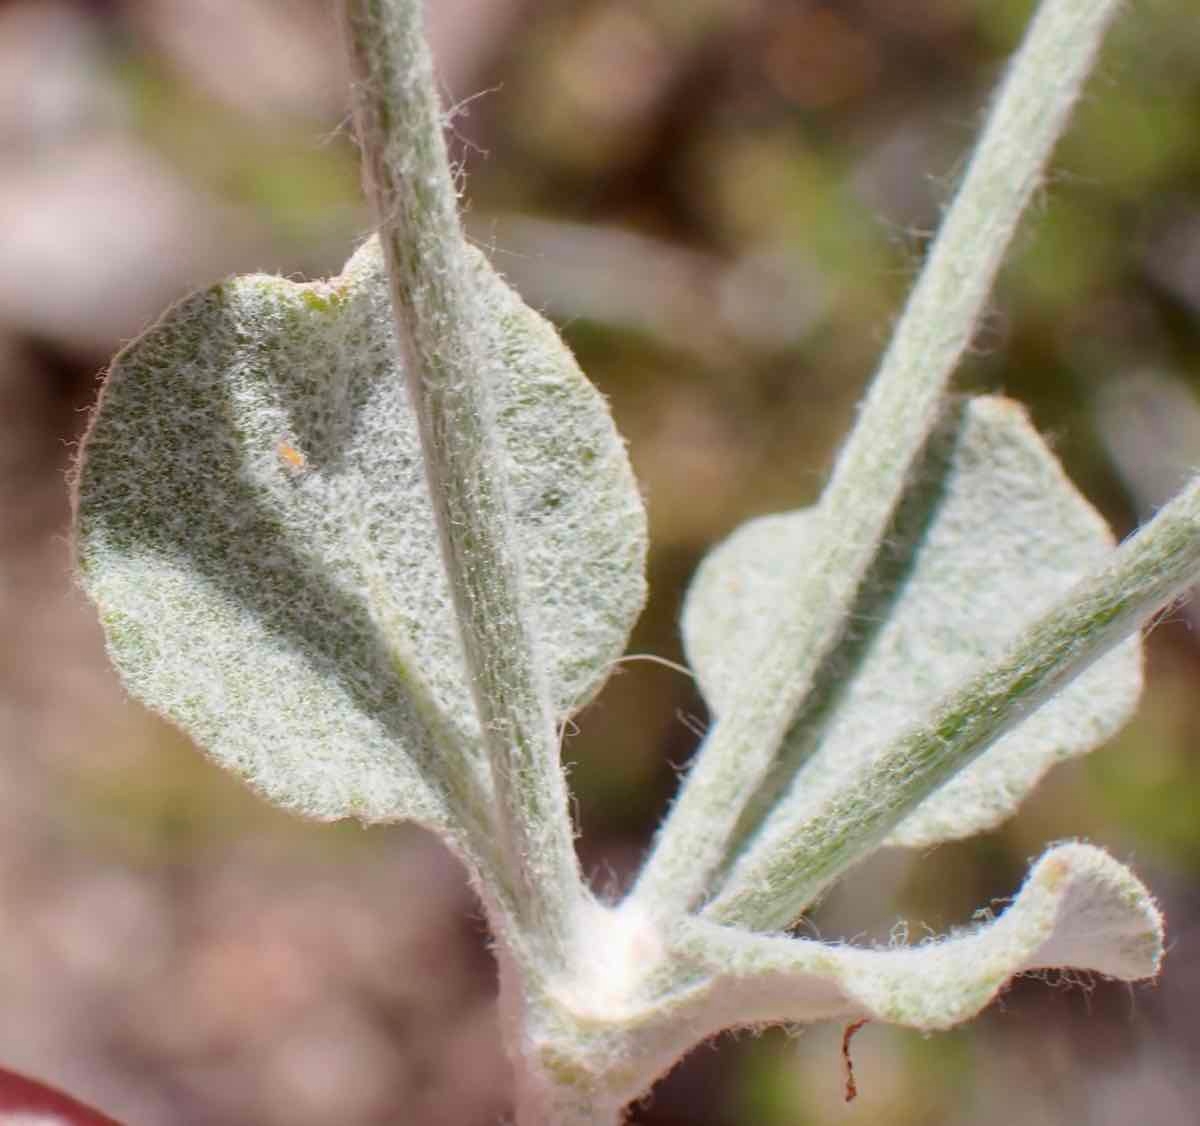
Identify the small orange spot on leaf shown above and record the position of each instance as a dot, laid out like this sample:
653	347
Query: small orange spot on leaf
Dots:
291	457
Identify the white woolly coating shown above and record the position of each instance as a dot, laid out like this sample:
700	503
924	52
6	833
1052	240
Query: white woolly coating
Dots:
625	947
256	531
1079	909
1004	534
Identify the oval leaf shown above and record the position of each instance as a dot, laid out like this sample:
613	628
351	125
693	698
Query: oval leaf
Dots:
1003	536
255	528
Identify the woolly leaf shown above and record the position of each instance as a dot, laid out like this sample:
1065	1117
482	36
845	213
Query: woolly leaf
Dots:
1079	909
992	535
255	528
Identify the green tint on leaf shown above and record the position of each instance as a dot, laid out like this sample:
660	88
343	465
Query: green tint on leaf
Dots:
996	534
255	528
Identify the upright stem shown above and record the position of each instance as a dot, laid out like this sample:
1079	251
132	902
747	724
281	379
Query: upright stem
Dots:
785	872
894	424
407	175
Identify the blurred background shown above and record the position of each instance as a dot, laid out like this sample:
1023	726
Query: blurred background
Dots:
722	202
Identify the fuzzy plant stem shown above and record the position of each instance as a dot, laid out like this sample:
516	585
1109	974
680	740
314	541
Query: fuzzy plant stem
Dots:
407	175
780	877
901	409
